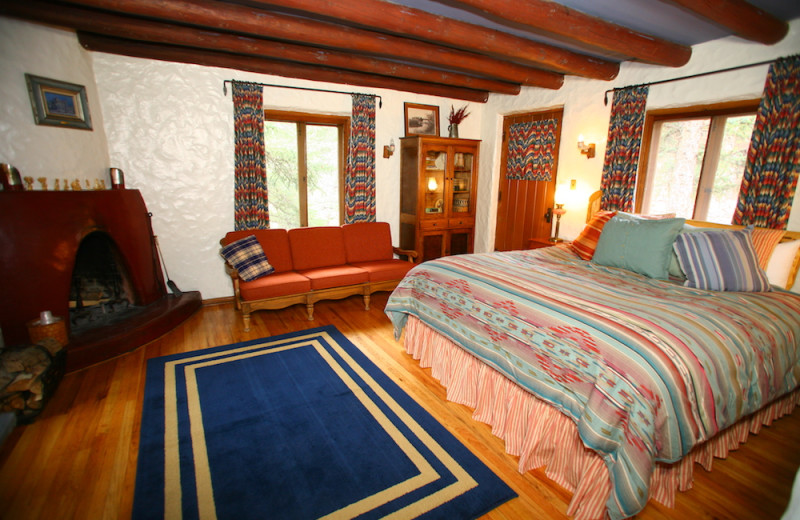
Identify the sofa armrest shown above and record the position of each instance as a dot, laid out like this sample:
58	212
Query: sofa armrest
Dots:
411	254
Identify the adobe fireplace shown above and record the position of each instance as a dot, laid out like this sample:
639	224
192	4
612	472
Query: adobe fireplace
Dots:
89	257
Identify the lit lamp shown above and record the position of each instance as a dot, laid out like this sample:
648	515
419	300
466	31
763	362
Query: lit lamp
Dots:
432	185
563	194
586	149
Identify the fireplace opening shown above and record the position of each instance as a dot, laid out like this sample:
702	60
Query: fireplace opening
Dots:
100	290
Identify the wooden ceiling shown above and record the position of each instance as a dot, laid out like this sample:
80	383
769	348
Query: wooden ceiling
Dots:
375	43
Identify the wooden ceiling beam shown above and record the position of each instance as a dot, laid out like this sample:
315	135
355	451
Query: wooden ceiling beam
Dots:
155	32
100	43
556	19
407	21
745	20
241	19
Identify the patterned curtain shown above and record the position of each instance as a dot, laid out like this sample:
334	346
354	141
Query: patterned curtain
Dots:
622	149
359	188
530	150
773	160
251	209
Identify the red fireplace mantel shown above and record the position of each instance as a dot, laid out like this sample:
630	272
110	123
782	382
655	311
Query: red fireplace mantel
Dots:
40	232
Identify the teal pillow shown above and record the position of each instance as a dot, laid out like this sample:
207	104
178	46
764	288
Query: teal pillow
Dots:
638	245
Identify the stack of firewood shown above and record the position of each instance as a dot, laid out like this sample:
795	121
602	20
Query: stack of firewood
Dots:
28	376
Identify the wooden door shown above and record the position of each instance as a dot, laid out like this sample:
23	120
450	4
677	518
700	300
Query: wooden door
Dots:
524	208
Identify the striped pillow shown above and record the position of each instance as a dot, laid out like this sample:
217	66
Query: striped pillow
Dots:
586	243
764	242
720	261
248	258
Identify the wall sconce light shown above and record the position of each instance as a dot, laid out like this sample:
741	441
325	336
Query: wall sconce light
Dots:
586	149
388	150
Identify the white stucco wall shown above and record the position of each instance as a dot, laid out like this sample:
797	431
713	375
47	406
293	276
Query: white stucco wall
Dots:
170	128
585	113
39	150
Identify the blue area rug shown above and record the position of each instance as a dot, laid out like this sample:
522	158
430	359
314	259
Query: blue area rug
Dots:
301	426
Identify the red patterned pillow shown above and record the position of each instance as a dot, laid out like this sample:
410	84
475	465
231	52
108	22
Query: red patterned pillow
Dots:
586	242
764	242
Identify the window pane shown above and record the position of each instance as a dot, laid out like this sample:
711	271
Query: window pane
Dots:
280	147
323	175
728	179
679	160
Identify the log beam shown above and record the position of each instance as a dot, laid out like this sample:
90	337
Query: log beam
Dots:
240	19
402	20
745	20
156	32
553	18
99	43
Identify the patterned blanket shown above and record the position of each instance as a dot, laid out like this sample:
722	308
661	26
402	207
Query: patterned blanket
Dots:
647	369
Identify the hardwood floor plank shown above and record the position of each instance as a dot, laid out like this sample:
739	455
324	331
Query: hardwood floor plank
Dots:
78	460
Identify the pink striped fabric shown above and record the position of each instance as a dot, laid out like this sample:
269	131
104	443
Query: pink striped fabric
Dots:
540	435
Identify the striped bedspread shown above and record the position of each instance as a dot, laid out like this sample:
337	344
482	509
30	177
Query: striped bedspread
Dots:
647	369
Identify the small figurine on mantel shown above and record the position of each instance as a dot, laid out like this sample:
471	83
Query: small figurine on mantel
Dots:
28	182
57	187
66	185
76	185
43	182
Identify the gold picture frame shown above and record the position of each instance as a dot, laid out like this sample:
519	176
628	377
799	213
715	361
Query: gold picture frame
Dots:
57	103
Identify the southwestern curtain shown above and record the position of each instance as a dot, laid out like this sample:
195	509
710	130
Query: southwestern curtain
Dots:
773	160
622	149
359	187
530	150
251	208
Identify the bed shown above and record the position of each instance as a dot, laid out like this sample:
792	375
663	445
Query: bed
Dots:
616	381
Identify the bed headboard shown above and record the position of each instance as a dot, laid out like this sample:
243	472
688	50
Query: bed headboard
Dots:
594	204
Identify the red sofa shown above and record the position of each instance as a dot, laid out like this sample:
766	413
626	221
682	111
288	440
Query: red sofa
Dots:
319	263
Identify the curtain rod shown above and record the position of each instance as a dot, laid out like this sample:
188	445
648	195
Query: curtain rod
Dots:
225	89
605	97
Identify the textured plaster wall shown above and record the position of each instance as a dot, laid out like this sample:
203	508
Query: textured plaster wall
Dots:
38	150
170	128
585	113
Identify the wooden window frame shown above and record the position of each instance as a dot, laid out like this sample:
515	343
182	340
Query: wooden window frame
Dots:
646	162
302	119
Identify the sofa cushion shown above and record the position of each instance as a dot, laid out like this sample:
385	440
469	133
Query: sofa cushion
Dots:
335	276
383	270
274	242
315	247
367	242
247	257
276	284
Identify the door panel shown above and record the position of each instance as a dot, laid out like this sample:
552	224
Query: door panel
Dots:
523	204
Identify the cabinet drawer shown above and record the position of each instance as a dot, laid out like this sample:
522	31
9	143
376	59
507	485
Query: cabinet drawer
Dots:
432	224
461	222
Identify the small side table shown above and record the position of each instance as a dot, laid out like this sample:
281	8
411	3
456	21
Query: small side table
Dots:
537	242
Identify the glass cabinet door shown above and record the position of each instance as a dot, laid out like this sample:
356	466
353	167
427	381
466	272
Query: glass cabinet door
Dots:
434	180
462	182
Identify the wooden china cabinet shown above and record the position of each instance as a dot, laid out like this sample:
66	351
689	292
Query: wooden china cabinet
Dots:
438	188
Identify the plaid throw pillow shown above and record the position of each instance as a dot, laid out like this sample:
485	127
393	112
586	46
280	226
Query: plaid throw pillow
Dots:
247	257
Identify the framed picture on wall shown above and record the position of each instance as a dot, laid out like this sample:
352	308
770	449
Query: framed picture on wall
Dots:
421	119
57	103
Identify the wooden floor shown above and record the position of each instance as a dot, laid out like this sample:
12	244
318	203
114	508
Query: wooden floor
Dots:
78	460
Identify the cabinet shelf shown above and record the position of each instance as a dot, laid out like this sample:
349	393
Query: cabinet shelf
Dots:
435	230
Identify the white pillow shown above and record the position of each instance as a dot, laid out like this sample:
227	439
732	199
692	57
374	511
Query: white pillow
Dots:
782	266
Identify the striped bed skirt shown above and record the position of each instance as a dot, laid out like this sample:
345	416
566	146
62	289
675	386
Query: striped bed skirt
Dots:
542	436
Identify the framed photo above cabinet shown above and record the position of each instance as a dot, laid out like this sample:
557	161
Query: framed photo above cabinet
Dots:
438	189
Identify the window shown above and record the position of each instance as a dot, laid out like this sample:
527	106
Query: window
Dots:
693	160
305	168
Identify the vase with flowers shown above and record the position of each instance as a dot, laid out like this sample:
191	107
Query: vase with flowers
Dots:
455	117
